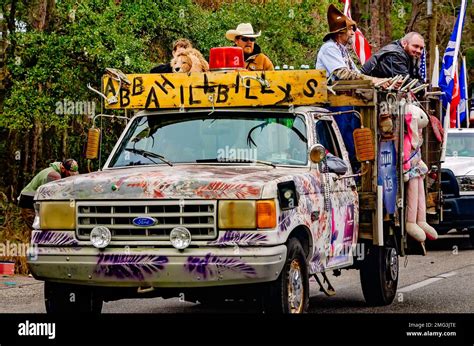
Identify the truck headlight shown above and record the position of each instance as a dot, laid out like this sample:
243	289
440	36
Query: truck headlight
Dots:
246	214
466	183
58	215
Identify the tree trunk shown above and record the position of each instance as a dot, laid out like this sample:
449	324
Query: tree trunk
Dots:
38	129
375	25
41	13
64	148
387	22
415	12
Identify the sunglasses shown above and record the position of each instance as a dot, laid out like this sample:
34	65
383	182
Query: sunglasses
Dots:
246	39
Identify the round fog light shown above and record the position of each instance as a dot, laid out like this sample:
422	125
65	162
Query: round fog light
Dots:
100	237
180	237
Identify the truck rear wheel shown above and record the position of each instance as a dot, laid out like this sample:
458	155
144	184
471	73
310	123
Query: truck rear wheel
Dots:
290	292
62	298
379	275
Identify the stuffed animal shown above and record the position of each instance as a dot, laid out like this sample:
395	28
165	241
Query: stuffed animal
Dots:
414	171
189	60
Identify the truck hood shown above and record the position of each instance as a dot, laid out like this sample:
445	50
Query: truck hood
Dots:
179	181
460	165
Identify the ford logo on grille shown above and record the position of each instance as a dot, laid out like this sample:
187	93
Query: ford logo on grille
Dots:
144	221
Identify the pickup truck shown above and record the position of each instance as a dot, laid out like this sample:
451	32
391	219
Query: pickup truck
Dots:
223	185
457	183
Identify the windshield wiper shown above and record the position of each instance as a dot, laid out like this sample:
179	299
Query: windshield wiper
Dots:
226	159
148	155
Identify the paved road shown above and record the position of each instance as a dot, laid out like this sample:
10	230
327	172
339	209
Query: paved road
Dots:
441	282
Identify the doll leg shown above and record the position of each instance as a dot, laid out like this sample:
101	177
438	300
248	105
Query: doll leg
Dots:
431	233
412	208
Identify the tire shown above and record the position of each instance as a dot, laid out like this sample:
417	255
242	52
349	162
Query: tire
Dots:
290	292
379	275
63	298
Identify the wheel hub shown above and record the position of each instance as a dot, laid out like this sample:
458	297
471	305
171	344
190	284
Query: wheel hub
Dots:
295	287
392	263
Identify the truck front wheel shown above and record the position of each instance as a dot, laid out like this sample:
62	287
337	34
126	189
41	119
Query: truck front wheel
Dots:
62	298
379	275
290	292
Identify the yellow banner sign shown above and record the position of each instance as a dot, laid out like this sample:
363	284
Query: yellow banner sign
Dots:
216	89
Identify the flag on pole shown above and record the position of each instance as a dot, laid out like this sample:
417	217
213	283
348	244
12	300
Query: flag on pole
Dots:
435	74
462	108
447	73
450	58
423	65
453	109
360	45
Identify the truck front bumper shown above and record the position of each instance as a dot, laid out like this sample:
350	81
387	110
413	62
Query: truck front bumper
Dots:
457	213
158	267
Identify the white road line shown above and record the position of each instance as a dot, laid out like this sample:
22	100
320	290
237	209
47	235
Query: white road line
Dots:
426	282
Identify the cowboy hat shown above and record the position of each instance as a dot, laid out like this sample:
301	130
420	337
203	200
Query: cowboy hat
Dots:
337	22
243	29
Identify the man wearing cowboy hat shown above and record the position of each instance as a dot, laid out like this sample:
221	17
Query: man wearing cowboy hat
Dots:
335	59
244	37
334	56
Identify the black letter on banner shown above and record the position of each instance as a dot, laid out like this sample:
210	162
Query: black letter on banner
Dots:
109	87
247	91
152	98
207	88
162	86
222	91
191	101
312	84
265	90
237	83
138	88
181	94
124	95
287	92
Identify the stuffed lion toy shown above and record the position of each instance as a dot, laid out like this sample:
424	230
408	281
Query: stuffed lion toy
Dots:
189	60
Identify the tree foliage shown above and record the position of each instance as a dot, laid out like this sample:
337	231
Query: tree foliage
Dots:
61	46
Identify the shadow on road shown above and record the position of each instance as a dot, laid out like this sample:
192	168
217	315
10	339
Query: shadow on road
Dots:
449	242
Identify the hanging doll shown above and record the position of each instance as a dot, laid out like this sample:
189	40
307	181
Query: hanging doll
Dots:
414	171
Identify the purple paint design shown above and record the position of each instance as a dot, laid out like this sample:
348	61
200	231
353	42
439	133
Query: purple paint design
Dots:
316	263
54	238
284	220
129	266
204	265
239	238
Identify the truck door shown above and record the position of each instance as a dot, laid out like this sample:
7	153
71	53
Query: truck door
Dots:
340	199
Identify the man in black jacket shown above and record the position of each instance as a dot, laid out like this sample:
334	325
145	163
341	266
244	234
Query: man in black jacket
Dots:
399	57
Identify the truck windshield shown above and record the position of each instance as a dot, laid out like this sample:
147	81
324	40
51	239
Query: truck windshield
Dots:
460	144
276	138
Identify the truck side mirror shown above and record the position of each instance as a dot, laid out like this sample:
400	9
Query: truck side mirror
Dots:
364	144
93	142
317	153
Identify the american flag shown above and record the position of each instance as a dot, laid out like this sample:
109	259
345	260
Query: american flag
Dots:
361	46
462	108
423	65
448	78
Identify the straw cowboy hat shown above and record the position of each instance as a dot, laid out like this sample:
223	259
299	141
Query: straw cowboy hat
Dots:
337	22
243	29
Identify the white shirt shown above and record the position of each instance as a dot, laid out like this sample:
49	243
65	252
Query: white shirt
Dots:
331	57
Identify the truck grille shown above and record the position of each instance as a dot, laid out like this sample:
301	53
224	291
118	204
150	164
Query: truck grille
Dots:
199	217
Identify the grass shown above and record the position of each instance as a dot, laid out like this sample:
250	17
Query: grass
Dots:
13	230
